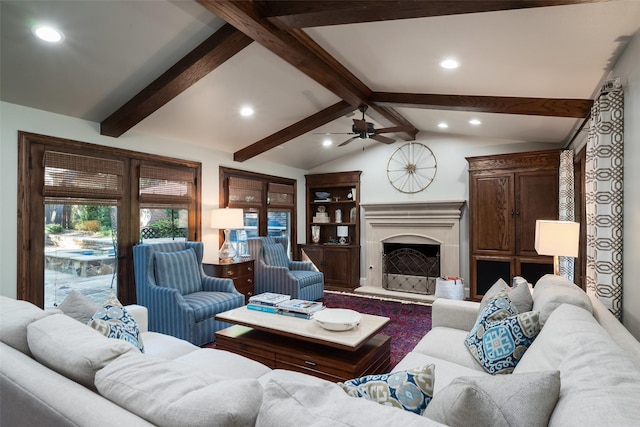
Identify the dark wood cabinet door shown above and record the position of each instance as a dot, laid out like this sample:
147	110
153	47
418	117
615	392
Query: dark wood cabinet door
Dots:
493	208
537	198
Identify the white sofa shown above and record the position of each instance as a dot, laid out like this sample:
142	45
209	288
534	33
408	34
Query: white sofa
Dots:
598	359
55	371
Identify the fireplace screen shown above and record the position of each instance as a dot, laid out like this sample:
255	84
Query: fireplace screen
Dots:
411	268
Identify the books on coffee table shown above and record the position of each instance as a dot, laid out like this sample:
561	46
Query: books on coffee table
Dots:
263	308
300	306
268	298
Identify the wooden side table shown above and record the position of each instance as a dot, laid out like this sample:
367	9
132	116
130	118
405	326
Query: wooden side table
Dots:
240	272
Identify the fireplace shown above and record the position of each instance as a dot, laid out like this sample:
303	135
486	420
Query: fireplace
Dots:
433	225
410	267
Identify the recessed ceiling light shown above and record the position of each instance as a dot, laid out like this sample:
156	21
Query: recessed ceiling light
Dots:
327	142
475	122
246	111
449	64
443	125
47	33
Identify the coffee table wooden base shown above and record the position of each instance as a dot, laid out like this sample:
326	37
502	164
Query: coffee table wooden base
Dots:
278	352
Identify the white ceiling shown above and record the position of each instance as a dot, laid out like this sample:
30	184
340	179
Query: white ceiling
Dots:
113	49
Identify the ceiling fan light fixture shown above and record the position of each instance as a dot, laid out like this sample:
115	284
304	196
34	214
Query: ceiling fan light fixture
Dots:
327	142
449	64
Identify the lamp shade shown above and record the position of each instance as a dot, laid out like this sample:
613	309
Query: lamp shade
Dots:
557	238
227	218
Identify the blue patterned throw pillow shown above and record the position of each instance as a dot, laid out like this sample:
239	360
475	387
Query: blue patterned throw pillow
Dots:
410	390
113	321
501	335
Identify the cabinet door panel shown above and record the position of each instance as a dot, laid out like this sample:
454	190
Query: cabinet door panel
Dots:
492	220
537	195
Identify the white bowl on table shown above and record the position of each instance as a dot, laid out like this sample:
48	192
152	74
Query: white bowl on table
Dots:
337	319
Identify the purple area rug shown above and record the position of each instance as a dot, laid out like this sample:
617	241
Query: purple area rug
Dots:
409	322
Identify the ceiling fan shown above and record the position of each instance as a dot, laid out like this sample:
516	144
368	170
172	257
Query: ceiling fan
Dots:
363	129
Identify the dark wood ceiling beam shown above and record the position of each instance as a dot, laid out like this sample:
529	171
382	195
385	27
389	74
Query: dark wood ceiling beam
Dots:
243	16
552	107
210	54
299	50
310	13
300	128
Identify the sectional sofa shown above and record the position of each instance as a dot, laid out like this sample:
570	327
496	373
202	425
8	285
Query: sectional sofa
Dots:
582	369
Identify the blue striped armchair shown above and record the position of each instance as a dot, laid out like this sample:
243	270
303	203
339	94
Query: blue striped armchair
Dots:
182	301
274	272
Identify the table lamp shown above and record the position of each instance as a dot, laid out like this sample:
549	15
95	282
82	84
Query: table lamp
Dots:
557	238
343	233
227	219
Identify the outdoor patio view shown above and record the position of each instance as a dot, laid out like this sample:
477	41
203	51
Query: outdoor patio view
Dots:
81	247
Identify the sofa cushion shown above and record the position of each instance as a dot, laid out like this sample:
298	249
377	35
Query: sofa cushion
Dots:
501	336
552	291
73	349
15	316
324	404
520	296
113	321
78	306
178	270
275	255
497	401
448	344
223	363
410	390
600	385
168	393
568	326
445	370
166	346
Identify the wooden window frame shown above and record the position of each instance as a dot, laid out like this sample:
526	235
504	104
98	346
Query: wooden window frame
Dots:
30	269
263	206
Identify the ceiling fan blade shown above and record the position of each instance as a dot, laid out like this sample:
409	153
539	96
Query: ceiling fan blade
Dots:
333	133
395	129
348	141
382	139
360	125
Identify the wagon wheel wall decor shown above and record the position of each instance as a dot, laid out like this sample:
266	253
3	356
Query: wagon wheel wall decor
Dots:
411	168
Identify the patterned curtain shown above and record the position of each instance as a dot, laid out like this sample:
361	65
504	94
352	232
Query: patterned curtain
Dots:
604	199
567	205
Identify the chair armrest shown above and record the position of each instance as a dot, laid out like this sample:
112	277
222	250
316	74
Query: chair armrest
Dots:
140	314
302	265
454	313
217	284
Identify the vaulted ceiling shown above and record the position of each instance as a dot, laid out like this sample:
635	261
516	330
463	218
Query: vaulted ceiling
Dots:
529	69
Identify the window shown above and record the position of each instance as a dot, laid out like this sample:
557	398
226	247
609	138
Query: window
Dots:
268	203
96	202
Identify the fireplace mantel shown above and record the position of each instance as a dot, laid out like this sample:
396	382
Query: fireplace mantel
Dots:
436	222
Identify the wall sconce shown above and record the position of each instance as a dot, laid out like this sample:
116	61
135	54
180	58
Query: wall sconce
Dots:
557	238
227	219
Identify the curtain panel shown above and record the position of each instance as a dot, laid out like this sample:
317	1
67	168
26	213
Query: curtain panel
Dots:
604	199
567	205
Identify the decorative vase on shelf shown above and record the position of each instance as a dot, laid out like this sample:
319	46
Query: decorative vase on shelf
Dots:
315	233
338	215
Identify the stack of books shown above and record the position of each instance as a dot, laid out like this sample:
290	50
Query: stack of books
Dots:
299	308
283	304
321	217
267	302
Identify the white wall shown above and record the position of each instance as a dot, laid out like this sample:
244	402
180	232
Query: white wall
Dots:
14	118
451	181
